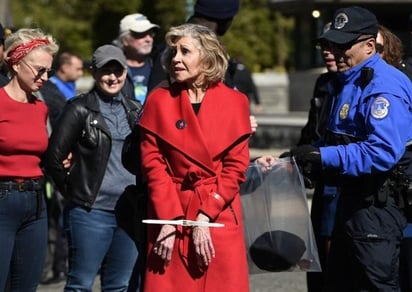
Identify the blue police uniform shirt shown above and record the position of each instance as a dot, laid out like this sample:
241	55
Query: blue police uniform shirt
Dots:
379	115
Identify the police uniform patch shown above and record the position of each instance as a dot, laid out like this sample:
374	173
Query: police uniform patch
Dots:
343	114
380	107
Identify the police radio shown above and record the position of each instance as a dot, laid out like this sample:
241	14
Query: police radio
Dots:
366	76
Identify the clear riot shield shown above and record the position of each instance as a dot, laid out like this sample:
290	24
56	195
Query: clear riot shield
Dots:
278	229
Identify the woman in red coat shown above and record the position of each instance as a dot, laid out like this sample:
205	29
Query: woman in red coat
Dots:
195	153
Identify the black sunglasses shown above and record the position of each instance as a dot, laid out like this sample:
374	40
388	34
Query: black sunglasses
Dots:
39	71
343	47
140	35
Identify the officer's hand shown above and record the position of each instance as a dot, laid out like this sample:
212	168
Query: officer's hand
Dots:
285	154
306	154
308	158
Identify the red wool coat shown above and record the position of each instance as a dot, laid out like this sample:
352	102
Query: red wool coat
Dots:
187	159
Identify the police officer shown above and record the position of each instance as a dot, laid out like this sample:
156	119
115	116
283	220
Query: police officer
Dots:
366	136
324	197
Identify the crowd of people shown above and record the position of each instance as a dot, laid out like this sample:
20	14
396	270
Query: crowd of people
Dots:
68	171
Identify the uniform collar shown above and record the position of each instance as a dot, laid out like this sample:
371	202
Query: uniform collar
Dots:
353	74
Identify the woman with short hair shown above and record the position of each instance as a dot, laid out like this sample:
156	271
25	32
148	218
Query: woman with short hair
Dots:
23	140
195	153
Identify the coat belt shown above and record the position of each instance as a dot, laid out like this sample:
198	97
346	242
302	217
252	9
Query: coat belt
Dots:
201	191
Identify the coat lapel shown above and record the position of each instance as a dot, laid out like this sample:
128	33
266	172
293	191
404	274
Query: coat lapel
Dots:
178	124
191	139
198	137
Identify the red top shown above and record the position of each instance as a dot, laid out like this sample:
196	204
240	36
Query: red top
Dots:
23	137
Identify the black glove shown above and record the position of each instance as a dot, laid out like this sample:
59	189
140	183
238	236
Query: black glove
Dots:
285	154
306	154
308	158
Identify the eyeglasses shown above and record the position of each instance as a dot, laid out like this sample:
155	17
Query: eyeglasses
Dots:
140	35
38	71
347	46
117	71
322	44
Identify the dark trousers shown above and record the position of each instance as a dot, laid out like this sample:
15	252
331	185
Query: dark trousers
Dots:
56	259
405	265
315	280
23	239
364	254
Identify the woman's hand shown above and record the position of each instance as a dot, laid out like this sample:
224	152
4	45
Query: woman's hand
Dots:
202	240
266	162
164	244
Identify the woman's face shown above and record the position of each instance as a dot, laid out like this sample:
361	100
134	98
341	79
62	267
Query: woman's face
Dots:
186	61
110	78
32	71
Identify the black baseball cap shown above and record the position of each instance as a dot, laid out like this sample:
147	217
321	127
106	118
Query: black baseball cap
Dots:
277	250
350	23
217	9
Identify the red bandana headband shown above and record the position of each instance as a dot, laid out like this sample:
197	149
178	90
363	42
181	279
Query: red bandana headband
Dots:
20	51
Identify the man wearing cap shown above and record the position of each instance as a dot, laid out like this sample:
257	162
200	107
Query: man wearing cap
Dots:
136	34
216	15
93	127
366	154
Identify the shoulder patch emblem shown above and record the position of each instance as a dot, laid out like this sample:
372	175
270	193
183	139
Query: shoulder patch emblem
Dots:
343	114
380	107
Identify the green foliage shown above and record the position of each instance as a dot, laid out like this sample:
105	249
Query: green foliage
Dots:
77	25
165	14
259	37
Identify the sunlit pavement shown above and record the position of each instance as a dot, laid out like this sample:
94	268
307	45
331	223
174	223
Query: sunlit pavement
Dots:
271	282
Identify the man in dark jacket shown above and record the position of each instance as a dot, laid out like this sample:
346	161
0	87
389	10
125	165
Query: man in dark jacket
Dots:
61	86
215	14
243	81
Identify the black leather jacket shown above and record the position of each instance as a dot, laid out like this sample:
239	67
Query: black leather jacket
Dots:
83	131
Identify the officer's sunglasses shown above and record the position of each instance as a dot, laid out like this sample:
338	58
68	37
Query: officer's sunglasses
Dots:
325	44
